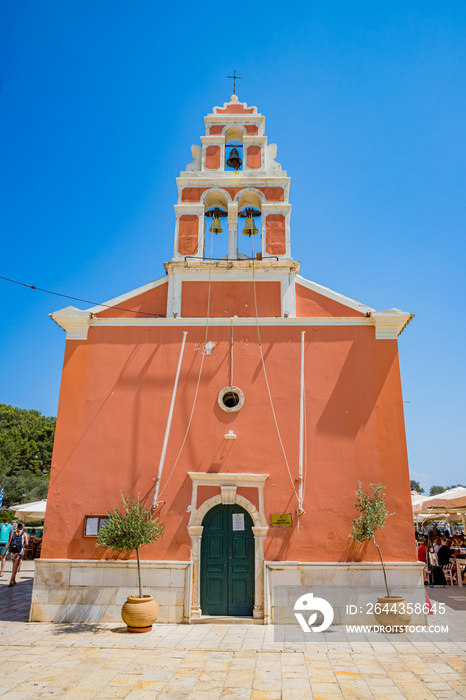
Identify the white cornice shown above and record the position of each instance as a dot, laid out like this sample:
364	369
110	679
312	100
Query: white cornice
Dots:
229	267
216	140
261	178
210	479
189	208
236	321
390	323
254	139
74	321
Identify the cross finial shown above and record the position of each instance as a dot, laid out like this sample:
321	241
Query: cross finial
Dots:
234	77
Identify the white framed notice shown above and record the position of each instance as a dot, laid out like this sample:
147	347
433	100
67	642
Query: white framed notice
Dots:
238	521
93	523
92	527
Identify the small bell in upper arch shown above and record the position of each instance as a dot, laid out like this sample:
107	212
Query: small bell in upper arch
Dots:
234	161
249	227
216	228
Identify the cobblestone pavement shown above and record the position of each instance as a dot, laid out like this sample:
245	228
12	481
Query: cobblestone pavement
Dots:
205	662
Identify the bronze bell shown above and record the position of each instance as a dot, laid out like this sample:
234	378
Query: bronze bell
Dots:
216	228
249	227
234	161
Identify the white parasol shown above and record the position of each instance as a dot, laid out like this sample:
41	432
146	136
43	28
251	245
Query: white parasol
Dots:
28	512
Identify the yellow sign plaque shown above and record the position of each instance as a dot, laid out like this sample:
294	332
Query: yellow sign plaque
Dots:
280	519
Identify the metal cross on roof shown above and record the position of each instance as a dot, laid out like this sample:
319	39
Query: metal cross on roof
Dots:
234	77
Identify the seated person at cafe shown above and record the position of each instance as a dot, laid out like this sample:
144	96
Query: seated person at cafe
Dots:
445	553
458	544
421	551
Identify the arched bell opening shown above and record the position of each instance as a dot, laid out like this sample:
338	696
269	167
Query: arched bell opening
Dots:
249	225
234	149
234	156
216	225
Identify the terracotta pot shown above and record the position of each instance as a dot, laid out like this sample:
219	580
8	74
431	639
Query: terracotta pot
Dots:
139	614
400	618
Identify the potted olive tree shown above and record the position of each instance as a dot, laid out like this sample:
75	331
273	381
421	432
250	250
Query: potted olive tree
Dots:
389	610
126	532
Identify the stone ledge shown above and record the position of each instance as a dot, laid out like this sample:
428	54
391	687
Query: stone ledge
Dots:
82	590
344	564
123	563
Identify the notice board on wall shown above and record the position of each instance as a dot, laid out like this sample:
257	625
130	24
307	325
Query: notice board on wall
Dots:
281	520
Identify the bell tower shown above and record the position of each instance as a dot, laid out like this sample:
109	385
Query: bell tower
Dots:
234	170
234	186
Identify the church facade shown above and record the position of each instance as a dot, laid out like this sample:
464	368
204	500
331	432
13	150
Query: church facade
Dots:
239	399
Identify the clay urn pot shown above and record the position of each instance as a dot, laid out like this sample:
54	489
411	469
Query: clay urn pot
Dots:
139	614
392	612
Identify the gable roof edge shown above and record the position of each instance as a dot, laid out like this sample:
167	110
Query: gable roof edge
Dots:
335	296
129	295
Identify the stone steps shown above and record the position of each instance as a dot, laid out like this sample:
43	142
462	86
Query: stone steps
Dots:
226	620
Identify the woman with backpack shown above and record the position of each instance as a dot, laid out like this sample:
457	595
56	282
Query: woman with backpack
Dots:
16	544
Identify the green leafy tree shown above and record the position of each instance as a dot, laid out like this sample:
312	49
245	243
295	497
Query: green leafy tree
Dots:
26	444
130	530
436	490
415	486
7	516
373	515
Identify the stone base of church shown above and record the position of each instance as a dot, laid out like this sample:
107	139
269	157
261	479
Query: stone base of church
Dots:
344	576
67	590
73	590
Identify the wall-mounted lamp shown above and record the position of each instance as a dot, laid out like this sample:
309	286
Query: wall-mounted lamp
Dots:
230	435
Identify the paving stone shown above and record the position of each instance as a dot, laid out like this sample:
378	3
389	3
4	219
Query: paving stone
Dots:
102	661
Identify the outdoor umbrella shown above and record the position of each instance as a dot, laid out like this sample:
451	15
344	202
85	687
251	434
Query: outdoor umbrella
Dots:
28	512
447	499
454	498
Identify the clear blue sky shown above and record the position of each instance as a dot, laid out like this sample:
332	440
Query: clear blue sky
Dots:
101	101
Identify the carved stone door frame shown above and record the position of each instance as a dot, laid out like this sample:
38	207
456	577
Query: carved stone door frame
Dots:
227	485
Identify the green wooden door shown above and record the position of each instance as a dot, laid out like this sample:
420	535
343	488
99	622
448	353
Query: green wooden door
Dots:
227	562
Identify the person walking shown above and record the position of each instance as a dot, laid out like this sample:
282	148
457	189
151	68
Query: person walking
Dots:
5	531
16	544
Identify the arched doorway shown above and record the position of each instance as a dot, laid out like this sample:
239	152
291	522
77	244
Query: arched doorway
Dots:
227	562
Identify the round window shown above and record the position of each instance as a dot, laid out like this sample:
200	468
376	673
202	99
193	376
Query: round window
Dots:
231	399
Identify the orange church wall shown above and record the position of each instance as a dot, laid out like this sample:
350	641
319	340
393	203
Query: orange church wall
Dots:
312	304
212	157
216	129
192	194
152	303
272	194
188	236
251	129
114	402
230	299
254	157
235	109
275	228
233	191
